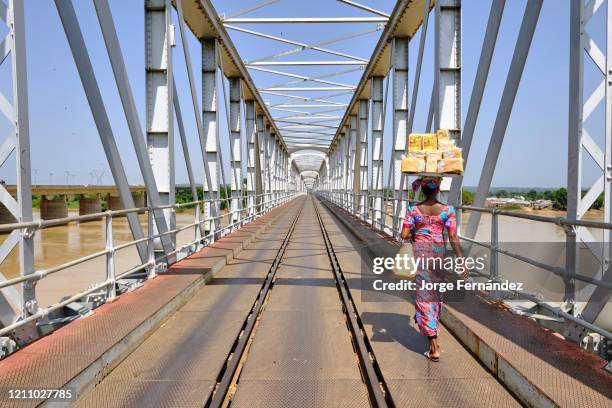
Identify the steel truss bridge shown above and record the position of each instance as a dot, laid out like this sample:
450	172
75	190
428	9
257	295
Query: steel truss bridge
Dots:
260	299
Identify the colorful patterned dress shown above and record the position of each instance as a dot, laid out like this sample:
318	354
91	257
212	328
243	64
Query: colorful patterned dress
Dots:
428	242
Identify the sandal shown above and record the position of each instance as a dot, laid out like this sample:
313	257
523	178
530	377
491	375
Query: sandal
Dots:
434	359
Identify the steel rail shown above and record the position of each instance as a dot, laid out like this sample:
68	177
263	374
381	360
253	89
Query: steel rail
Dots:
229	373
373	378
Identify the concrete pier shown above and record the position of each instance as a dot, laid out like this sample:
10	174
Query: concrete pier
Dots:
90	205
56	207
114	203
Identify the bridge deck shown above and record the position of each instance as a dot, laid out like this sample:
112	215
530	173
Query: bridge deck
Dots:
300	352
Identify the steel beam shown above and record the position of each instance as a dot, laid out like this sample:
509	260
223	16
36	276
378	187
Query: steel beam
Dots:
305	20
480	82
597	298
235	102
21	135
353	163
376	150
210	132
260	162
447	70
124	88
521	50
363	156
268	166
159	36
94	97
400	127
251	134
303	63
209	67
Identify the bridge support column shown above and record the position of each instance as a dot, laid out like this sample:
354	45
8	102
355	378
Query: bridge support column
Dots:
268	166
114	203
210	107
159	97
376	151
250	137
51	209
88	205
363	157
353	164
400	121
260	163
273	167
593	300
342	157
235	99
447	71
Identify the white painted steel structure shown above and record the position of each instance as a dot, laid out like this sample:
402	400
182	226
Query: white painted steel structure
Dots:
272	178
307	131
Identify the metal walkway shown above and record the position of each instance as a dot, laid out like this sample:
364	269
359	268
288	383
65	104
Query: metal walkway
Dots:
300	351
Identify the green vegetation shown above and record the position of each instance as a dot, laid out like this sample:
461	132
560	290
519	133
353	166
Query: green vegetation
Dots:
467	197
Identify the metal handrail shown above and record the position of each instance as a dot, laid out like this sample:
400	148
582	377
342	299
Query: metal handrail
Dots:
378	216
268	202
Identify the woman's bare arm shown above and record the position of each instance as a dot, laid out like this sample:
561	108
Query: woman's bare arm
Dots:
405	233
456	245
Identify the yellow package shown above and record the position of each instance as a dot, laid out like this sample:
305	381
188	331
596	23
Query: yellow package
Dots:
443	134
434	155
412	165
446	144
454	153
430	141
415	142
454	166
431	165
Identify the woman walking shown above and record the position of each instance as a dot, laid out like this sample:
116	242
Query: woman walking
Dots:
424	226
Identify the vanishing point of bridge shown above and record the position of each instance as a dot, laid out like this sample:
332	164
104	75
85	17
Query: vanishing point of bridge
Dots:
266	297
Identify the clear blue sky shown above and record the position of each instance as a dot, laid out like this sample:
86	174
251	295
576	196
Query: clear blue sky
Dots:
64	138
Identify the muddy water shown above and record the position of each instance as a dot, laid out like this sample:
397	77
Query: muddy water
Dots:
57	245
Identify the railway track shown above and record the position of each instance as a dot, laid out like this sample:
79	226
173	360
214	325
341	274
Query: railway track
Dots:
228	380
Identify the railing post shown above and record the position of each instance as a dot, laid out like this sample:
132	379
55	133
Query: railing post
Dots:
493	254
198	232
111	292
150	244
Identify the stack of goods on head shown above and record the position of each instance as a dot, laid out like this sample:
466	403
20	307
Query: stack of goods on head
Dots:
432	153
